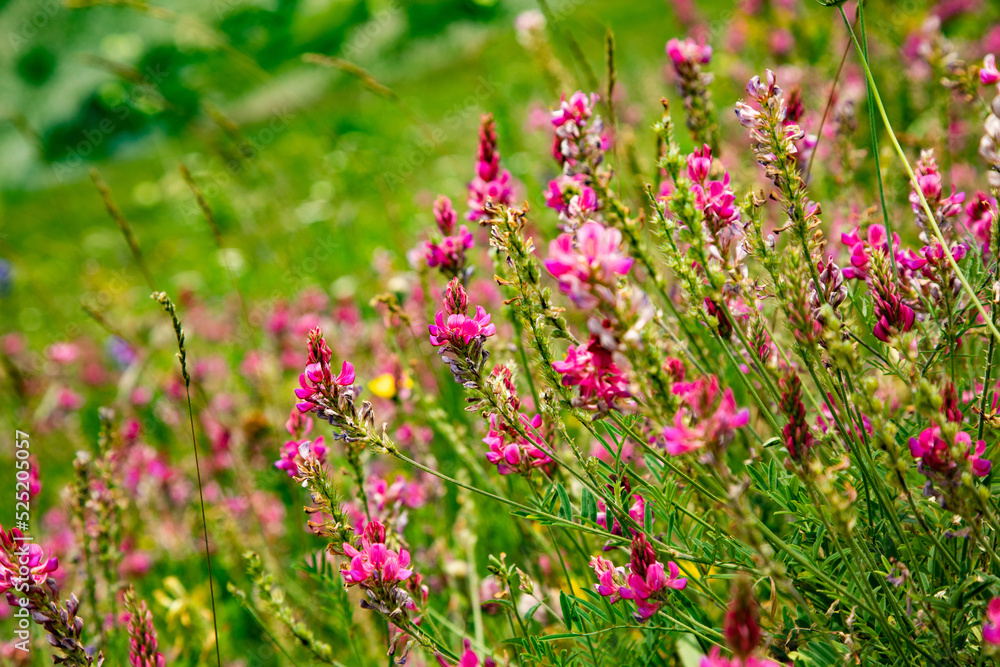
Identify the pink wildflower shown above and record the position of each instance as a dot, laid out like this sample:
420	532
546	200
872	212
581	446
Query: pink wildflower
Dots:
989	74
374	565
592	368
705	419
861	249
935	456
490	183
576	110
991	628
143	647
892	315
318	380
688	51
637	512
714	659
587	264
610	579
979	219
511	452
448	252
647	579
572	199
578	144
30	562
460	329
930	183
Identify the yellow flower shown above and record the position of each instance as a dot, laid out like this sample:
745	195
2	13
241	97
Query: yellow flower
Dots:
384	386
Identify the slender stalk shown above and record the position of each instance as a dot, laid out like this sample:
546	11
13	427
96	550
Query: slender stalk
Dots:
168	307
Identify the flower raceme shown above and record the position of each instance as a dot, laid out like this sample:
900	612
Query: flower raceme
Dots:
637	512
715	659
572	199
796	434
945	209
143	645
862	247
578	144
591	367
588	263
459	329
467	659
935	453
448	253
688	58
319	388
687	52
892	315
459	337
376	565
610	579
717	203
25	578
645	583
381	573
298	449
490	183
21	560
510	451
989	74
741	628
706	418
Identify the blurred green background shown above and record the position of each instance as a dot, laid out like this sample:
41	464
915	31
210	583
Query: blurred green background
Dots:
310	171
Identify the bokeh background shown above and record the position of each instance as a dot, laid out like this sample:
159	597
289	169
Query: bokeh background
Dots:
315	173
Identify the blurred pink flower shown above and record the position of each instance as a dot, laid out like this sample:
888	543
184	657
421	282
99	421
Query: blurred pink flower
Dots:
587	264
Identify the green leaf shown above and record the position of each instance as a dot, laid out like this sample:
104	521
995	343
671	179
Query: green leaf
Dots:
588	506
567	610
565	508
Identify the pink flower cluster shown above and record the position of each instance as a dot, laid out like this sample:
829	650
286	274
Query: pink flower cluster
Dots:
510	451
706	419
714	659
930	183
934	452
588	263
298	449
578	143
991	628
686	52
646	582
467	659
979	214
717	202
637	512
490	183
453	327
989	74
318	386
21	560
374	566
448	253
892	315
143	645
572	199
591	367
